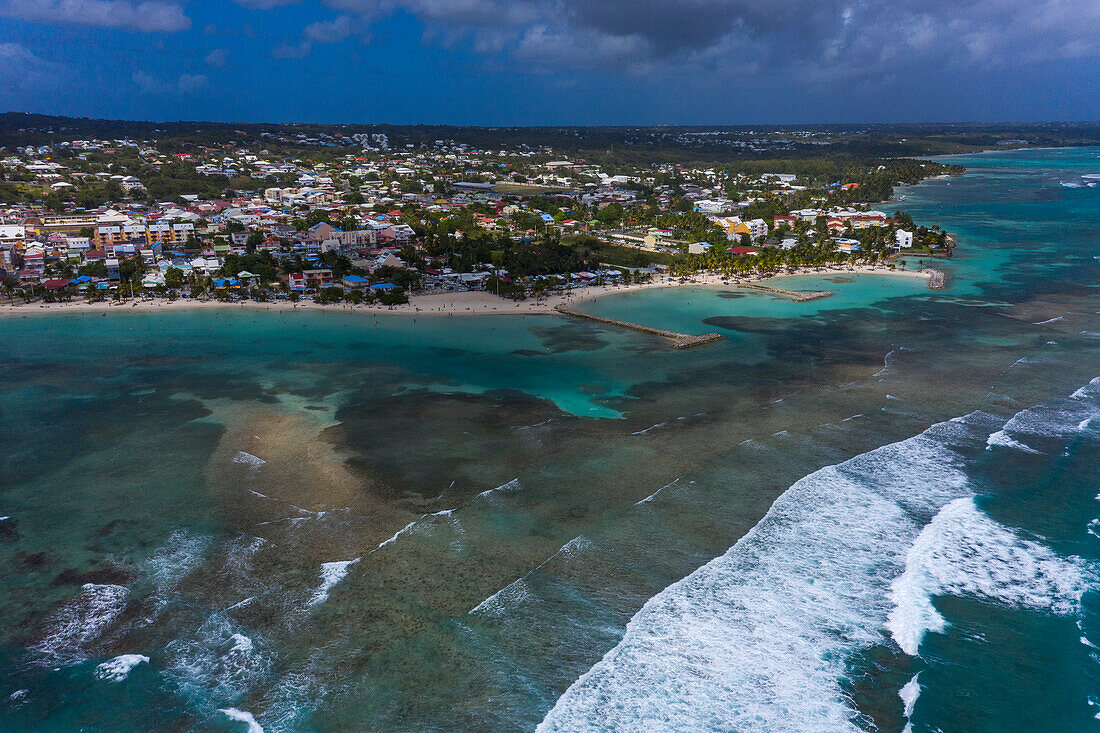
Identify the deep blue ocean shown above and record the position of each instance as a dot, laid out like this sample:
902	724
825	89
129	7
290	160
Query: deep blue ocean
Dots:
875	511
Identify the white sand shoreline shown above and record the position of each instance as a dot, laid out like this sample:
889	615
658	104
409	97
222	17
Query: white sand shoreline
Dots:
460	303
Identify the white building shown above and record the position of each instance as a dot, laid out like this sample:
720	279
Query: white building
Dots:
12	233
758	228
903	239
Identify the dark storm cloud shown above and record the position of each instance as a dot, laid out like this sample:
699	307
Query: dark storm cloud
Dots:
822	38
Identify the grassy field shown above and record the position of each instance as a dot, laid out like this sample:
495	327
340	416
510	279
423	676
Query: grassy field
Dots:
614	254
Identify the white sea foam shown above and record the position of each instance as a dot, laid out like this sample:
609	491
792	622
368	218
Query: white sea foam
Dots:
497	603
216	662
963	552
1049	320
241	604
761	637
242	716
651	427
396	534
1004	440
241	644
507	488
118	669
518	591
756	639
1058	419
331	574
909	694
653	496
251	462
1088	390
81	621
181	553
887	362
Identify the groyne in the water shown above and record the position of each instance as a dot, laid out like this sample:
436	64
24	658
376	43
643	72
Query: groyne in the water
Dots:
679	340
798	296
937	279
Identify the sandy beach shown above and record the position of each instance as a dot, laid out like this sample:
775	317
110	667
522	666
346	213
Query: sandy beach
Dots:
455	303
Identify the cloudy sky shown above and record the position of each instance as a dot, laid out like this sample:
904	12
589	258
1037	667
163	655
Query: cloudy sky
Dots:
553	61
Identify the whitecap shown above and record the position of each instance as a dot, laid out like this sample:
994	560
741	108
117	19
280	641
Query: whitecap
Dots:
757	638
761	638
518	590
218	661
653	496
507	488
909	694
331	574
963	552
251	462
510	594
1049	320
118	669
81	621
396	534
1004	440
886	362
1086	391
242	716
241	644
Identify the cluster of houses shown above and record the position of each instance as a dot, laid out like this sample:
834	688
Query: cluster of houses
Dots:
376	191
50	249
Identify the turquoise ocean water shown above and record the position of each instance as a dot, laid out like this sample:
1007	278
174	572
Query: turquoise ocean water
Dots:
875	511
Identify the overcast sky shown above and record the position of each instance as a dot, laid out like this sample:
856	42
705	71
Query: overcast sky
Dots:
553	61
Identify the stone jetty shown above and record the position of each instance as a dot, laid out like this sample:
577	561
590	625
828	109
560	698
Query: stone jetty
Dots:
798	296
936	278
679	340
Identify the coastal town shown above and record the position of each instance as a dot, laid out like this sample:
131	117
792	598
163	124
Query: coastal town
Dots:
363	221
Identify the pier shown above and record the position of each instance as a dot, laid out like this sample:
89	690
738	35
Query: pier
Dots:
679	340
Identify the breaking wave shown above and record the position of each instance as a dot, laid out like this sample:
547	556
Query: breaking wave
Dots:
118	669
331	574
218	662
250	462
81	621
242	716
963	552
760	638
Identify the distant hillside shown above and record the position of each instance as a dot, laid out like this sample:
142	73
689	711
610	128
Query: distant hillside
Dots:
622	145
